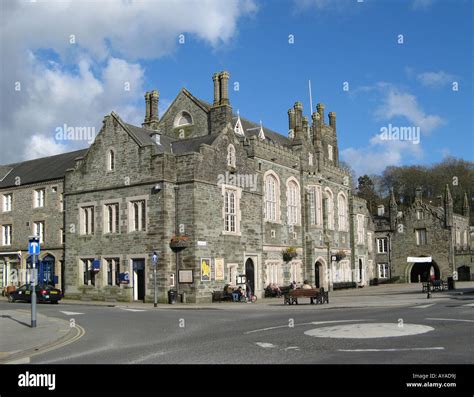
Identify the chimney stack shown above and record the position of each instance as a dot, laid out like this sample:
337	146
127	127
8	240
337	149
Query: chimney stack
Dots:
291	119
332	120
298	116
224	87
151	110
217	89
147	107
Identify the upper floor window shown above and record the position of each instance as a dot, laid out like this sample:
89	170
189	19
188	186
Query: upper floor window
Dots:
38	199
329	208
315	205
6	234
38	230
272	198
231	209
111	160
231	156
342	211
61	202
184	118
330	153
87	220
419	214
382	245
7	202
420	236
138	215
293	200
61	236
369	242
360	229
310	159
111	218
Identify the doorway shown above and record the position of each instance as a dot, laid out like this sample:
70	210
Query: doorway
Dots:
317	274
250	274
138	279
360	270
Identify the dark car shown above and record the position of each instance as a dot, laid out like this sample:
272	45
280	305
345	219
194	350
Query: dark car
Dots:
44	293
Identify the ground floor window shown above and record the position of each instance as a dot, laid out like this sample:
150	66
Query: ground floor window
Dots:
232	273
295	272
383	270
274	273
89	274
113	271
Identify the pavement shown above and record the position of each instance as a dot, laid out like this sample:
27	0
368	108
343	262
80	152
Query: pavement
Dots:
19	340
382	324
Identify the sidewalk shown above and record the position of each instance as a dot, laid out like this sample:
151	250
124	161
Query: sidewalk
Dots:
19	341
387	295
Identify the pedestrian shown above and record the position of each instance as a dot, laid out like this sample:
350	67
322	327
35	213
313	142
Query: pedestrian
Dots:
293	285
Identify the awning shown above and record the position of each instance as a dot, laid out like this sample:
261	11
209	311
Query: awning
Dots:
419	259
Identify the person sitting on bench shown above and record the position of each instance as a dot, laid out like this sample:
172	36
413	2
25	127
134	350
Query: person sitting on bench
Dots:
306	285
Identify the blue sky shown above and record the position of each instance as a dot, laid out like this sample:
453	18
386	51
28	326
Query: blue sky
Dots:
405	85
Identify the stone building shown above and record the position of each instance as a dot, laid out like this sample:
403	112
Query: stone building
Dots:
423	241
216	197
31	199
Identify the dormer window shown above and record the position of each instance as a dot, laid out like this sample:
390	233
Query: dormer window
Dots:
183	118
111	160
231	156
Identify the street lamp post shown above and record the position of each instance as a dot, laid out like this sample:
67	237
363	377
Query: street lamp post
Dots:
154	259
33	250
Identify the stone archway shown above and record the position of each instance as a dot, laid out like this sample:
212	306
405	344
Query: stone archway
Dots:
423	271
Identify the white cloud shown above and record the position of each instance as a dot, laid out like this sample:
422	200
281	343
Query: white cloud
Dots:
435	79
402	104
379	154
79	83
44	146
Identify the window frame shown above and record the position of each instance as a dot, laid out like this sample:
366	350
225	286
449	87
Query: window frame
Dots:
7	202
7	237
384	245
39	198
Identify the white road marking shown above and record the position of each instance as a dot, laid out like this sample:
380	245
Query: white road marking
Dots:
367	331
295	325
265	345
470	304
451	319
71	313
423	306
133	310
292	348
392	350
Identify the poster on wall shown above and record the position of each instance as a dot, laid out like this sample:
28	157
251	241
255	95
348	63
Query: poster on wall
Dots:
205	269
219	268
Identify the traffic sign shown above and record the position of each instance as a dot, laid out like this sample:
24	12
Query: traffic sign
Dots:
34	246
154	259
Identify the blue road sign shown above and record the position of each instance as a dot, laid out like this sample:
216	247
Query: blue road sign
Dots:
34	246
154	258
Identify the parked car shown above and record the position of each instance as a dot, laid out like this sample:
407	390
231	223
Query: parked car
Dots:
44	293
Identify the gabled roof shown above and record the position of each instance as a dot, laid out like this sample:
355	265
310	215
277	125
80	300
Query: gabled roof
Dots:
253	129
143	138
40	170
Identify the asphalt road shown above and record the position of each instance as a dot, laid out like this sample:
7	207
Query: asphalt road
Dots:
435	332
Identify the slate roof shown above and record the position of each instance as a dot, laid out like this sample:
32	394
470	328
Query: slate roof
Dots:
252	129
39	170
192	145
143	137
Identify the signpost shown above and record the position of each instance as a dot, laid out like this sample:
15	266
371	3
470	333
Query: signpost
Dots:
154	261
34	250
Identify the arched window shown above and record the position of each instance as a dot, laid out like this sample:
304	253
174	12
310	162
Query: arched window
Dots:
231	155
292	201
271	197
111	160
342	211
183	118
329	208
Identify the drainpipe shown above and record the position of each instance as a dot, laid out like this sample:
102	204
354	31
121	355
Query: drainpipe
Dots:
176	229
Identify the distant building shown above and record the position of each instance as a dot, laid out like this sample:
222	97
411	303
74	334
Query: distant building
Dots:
423	241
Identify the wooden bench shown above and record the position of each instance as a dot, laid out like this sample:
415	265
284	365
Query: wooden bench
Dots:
316	295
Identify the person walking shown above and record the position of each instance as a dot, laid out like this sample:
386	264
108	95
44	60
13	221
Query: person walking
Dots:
248	291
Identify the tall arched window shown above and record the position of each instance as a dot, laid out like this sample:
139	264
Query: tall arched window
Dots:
329	208
272	197
231	155
342	211
292	202
111	160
